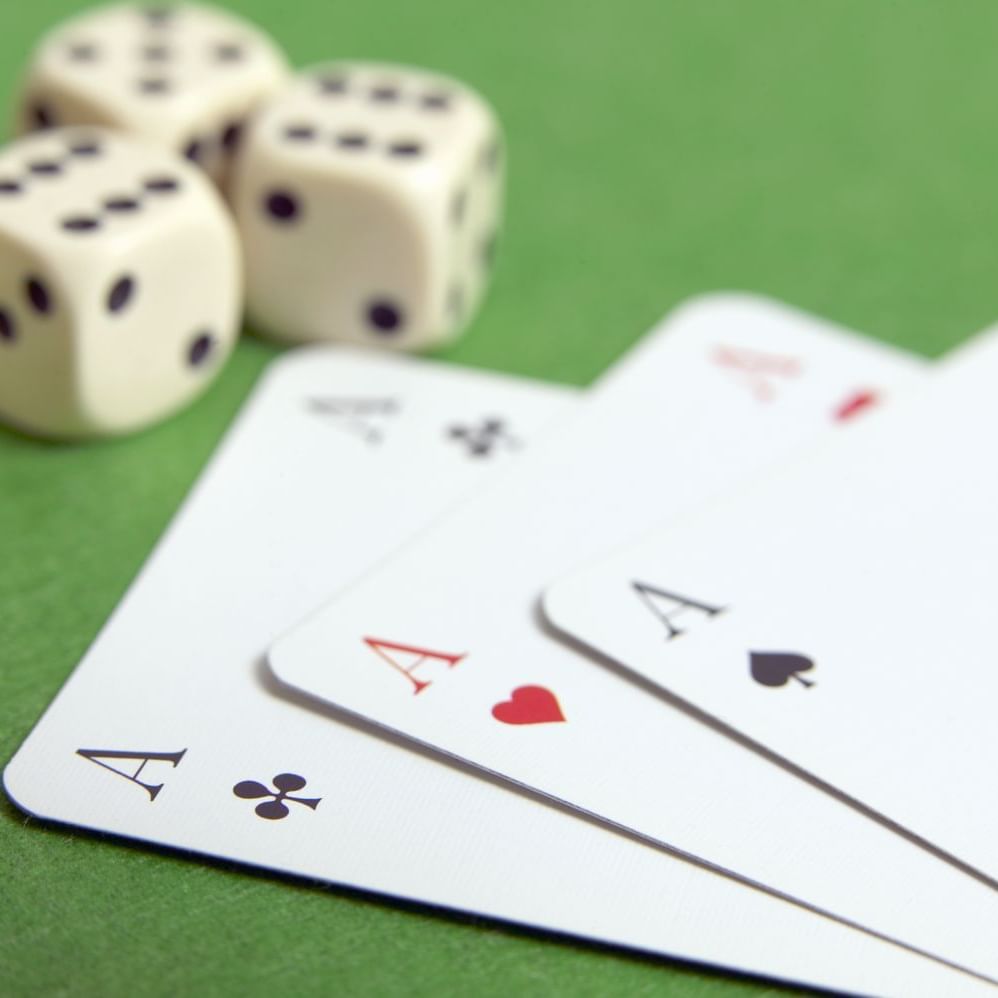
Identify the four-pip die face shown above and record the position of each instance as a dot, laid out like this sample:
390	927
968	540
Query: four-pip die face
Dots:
120	282
183	75
368	199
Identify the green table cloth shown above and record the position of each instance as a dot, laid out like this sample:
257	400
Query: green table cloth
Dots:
841	155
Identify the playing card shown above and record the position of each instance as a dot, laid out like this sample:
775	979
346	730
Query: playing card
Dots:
167	731
850	609
442	643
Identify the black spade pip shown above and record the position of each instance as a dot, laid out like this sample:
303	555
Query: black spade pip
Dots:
775	668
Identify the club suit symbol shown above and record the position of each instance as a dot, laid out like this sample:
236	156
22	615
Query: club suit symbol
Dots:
482	439
776	668
275	809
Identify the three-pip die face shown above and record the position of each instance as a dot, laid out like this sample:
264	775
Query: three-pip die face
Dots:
120	282
183	75
368	198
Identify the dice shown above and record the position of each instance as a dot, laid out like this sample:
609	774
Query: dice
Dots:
182	75
120	282
368	199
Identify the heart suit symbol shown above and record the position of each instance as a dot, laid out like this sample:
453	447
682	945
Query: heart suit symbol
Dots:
776	668
529	705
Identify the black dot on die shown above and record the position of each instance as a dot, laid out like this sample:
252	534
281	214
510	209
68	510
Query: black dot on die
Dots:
85	147
8	330
121	293
158	15
282	206
156	53
10	186
492	156
406	149
41	115
351	140
455	301
83	52
436	101
194	150
385	316
385	93
228	52
122	205
201	349
81	223
488	251
231	136
333	85
299	133
38	295
154	86
162	185
45	167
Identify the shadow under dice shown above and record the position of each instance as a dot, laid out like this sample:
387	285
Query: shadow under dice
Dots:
368	198
120	283
183	75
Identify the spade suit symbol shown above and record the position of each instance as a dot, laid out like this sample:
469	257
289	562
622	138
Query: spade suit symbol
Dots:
775	668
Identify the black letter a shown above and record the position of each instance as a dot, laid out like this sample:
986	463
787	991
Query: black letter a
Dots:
96	755
666	605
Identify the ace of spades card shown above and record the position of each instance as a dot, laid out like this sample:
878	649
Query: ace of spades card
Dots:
854	595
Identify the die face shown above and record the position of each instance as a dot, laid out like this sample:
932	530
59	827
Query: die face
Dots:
157	325
345	264
403	178
38	388
473	215
184	75
140	264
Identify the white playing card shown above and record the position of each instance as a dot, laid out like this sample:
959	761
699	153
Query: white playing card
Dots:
857	590
334	459
441	644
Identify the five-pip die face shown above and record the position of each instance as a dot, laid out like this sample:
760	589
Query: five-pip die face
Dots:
184	76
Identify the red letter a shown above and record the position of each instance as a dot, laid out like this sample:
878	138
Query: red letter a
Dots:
415	657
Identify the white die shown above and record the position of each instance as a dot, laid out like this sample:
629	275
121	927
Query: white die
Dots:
183	75
368	200
120	282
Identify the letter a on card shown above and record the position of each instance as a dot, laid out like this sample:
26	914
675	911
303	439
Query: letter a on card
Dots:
408	658
101	757
759	370
666	605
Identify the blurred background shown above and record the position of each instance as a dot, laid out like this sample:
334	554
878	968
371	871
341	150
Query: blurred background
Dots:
841	156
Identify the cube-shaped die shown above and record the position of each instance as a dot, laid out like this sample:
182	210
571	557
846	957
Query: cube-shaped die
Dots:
184	75
120	282
368	198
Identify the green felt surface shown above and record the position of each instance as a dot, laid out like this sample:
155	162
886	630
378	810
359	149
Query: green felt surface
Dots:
840	155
